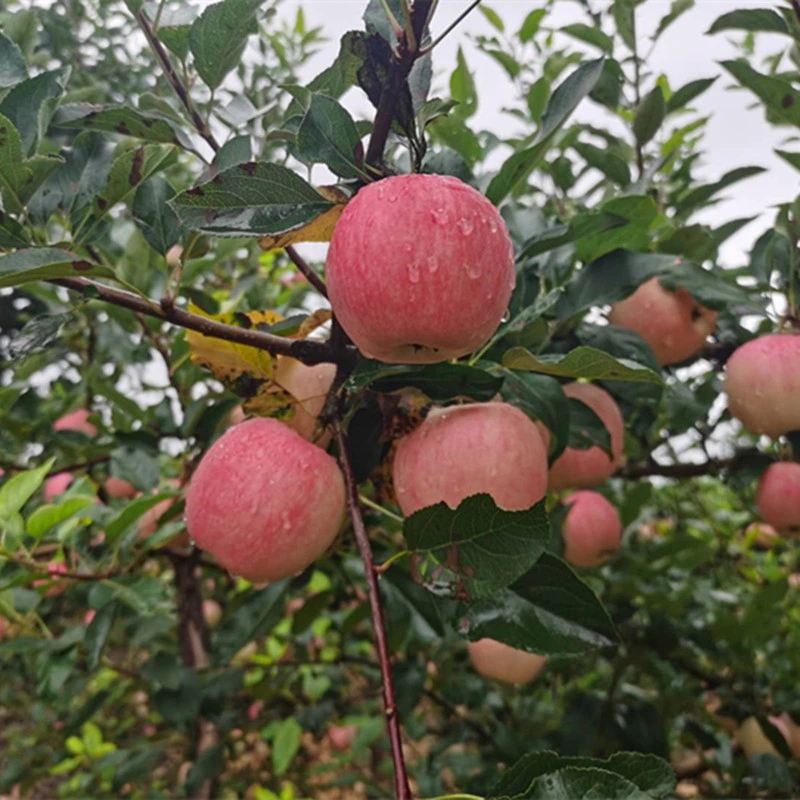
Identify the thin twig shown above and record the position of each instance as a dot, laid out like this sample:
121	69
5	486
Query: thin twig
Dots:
307	270
452	26
306	350
402	789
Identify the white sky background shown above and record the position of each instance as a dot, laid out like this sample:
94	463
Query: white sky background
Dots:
737	135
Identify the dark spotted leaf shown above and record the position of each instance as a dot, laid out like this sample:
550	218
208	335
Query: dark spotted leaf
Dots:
45	264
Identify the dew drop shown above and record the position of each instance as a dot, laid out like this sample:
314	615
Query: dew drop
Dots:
493	226
413	273
433	264
466	226
490	295
506	316
381	190
439	216
392	198
474	269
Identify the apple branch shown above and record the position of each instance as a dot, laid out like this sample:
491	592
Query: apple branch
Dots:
402	789
308	351
307	270
648	469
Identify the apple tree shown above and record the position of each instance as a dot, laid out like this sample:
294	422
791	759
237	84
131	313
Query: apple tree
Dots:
367	455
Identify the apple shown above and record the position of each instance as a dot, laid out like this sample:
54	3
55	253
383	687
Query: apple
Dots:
583	469
420	269
778	497
309	386
118	489
592	529
762	381
264	501
674	324
76	421
212	612
459	451
753	740
500	662
341	737
763	535
150	521
56	485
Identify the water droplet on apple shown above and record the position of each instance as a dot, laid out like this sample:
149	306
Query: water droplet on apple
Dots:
493	226
413	273
474	269
506	315
392	198
433	264
466	226
490	295
381	190
439	216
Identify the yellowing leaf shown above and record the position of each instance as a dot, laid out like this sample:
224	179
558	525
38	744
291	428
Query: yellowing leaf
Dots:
312	322
319	229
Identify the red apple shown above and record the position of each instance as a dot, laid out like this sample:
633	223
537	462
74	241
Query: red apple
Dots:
341	737
264	501
499	662
582	469
778	497
150	521
118	489
420	269
56	485
309	386
674	324
762	381
592	529
464	450
76	421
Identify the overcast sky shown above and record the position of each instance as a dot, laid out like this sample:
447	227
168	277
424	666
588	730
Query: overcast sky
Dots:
737	136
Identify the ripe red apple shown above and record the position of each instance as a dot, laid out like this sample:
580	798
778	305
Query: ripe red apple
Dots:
76	421
778	497
341	737
309	386
464	450
264	501
582	469
592	529
150	521
118	489
212	612
762	381
674	324
420	269
499	662
56	485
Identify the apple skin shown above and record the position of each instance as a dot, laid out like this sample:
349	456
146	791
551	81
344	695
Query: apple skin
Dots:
778	497
56	485
309	386
76	421
264	501
341	737
118	489
459	451
592	529
500	662
674	324
583	469
762	381
420	269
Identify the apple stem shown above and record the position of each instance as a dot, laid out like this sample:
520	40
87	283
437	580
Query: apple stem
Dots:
402	790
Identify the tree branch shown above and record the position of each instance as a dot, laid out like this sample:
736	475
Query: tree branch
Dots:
175	82
647	469
306	350
402	789
309	273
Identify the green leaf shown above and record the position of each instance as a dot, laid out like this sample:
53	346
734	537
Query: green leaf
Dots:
777	94
531	23
688	92
793	159
701	194
94	641
132	512
253	199
477	548
750	19
413	614
31	103
328	135
151	127
47	517
590	35
45	264
462	88
537	98
574	783
13	172
154	218
209	764
548	611
16	491
493	17
648	772
237	150
586	429
218	38
623	12
135	464
175	28
677	9
649	116
376	21
506	61
610	164
38	334
582	362
563	102
285	744
440	382
12	63
137	766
